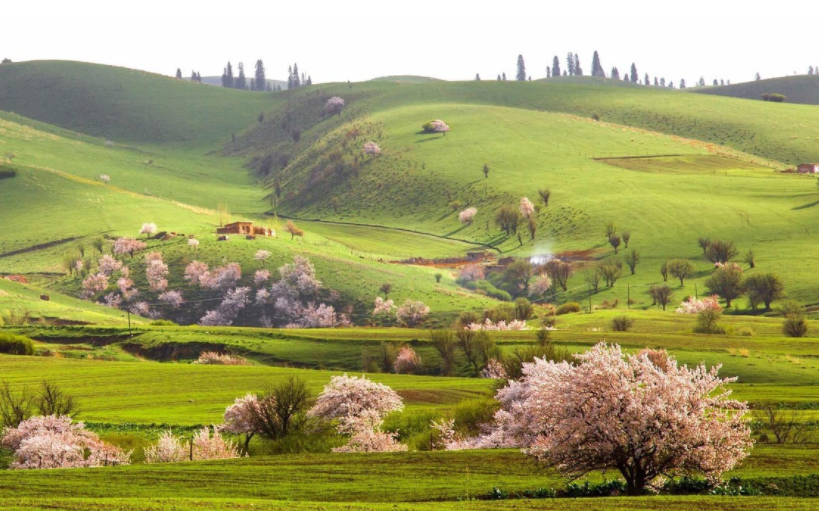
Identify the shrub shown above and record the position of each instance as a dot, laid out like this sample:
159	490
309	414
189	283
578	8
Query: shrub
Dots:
492	291
621	323
214	358
568	308
707	322
720	251
12	344
7	172
745	331
795	324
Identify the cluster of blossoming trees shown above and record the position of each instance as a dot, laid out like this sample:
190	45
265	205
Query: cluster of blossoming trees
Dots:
295	300
642	415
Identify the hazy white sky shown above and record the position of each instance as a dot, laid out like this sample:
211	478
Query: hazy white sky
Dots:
450	39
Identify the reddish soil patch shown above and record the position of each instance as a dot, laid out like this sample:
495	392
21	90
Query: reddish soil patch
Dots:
17	278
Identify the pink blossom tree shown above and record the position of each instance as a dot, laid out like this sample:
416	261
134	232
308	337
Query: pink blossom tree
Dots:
262	256
648	421
193	244
334	105
108	265
58	442
412	312
407	361
695	306
127	246
148	229
371	148
156	271
527	209
471	272
468	215
172	298
94	284
105	178
239	418
195	272
539	285
383	306
360	406
167	449
438	126
211	445
261	277
113	300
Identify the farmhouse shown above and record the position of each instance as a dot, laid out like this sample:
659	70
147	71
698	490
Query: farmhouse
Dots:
808	168
246	228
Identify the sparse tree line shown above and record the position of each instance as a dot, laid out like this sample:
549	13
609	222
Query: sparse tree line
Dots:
573	68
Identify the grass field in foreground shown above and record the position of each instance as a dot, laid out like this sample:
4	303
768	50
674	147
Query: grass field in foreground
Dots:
599	504
368	477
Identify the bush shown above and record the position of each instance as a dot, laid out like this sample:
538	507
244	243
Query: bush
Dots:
745	331
7	172
707	322
492	291
795	326
568	308
470	416
12	344
621	323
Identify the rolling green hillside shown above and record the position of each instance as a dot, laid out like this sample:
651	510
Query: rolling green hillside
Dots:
125	105
803	89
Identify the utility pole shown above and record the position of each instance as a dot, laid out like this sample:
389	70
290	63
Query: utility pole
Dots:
696	295
590	309
130	335
628	301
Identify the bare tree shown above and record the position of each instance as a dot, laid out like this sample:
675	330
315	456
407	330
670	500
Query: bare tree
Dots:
661	294
545	194
611	228
592	278
15	407
680	269
53	401
786	427
626	237
704	242
444	343
559	271
721	251
281	409
478	347
611	270
614	241
632	258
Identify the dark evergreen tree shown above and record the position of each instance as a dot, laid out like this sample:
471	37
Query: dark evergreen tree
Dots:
477	77
269	88
662	82
597	68
309	80
682	83
757	77
715	82
194	78
577	69
229	80
647	80
656	82
556	66
289	77
5	61
179	73
259	78
570	63
252	84
503	76
615	74
671	84
296	79
499	78
548	72
521	75
241	80
634	77
701	83
722	82
810	70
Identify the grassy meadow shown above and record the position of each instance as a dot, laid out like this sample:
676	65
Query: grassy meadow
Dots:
667	166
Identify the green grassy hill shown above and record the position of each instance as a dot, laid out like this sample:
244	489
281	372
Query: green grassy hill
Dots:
803	89
125	105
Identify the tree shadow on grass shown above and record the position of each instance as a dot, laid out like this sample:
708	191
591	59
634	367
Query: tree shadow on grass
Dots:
432	136
805	206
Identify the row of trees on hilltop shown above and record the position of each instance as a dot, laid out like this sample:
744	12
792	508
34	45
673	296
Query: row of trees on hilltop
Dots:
257	83
573	68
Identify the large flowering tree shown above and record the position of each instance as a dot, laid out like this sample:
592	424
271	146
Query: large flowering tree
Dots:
360	406
628	413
